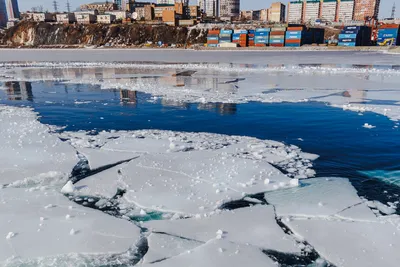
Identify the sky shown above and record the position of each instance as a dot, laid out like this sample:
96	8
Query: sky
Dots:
385	9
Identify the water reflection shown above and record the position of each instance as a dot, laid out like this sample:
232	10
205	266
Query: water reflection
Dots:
19	91
128	97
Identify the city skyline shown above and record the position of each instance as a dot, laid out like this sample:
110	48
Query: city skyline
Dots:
25	5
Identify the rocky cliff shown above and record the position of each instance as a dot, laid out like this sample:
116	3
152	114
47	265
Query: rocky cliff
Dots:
34	34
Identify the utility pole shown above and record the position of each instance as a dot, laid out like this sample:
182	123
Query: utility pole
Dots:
68	7
55	6
393	10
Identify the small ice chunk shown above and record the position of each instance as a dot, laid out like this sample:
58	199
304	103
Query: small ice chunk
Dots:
368	126
294	182
267	181
143	213
72	232
49	206
10	235
42	219
68	188
321	204
221	250
67	217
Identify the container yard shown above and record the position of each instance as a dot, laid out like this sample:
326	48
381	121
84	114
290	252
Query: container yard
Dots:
299	35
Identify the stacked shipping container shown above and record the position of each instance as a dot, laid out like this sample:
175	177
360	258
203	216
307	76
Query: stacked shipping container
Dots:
251	37
355	36
213	38
389	34
294	36
240	37
225	36
261	37
277	37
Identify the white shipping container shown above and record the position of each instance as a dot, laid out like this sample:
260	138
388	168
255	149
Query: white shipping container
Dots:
227	45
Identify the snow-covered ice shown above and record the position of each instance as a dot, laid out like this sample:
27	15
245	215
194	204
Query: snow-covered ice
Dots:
30	154
255	226
90	231
319	197
217	253
349	244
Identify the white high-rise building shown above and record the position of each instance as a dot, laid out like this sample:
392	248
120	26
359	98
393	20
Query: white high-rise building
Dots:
328	10
346	10
210	7
311	10
295	12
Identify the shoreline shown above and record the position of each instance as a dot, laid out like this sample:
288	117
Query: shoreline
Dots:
220	49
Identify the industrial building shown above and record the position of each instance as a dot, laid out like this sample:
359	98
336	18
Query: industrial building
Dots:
366	8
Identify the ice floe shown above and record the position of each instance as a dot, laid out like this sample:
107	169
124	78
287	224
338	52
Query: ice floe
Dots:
30	154
320	197
255	226
350	244
218	252
31	231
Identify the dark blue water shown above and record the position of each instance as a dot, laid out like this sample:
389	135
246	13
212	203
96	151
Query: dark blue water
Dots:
344	146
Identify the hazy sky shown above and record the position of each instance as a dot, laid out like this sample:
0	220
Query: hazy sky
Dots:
386	5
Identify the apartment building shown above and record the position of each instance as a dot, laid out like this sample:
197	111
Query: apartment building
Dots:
295	12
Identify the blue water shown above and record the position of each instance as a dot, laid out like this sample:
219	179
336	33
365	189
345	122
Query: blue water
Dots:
344	146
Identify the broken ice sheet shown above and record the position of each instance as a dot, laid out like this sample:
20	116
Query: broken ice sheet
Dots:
43	229
348	244
319	197
30	154
254	225
164	246
217	253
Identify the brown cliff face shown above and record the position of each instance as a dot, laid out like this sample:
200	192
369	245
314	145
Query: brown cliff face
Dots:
41	34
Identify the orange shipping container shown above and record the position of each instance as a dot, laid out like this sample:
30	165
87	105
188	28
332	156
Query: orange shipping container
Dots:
277	45
389	26
295	28
212	42
293	41
278	33
261	45
213	32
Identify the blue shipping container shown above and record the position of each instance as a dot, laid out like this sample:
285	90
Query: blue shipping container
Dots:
261	33
240	32
212	45
261	41
226	31
277	41
346	44
387	35
351	28
290	37
263	29
212	38
224	41
293	32
347	36
389	30
348	32
292	45
347	40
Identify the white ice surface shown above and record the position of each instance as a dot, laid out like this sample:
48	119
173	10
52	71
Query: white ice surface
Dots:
320	197
39	220
255	226
163	246
217	253
190	173
351	244
101	157
30	154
